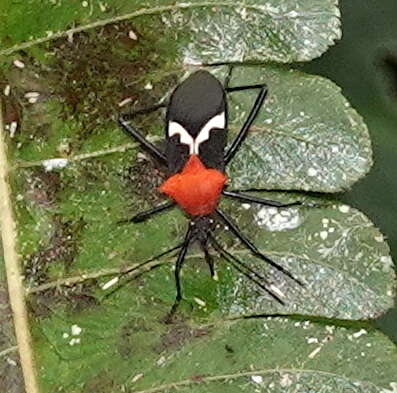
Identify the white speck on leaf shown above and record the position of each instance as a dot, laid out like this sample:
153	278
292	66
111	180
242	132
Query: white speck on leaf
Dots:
137	377
199	301
124	102
311	172
359	333
110	283
19	64
275	219
132	35
13	128
161	361
74	341
323	235
276	290
344	209
387	261
76	330
315	352
55	163
11	362
257	378
285	380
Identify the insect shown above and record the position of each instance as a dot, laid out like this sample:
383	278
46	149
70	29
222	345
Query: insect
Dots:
196	156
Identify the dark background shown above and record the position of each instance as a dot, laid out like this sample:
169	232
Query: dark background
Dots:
364	65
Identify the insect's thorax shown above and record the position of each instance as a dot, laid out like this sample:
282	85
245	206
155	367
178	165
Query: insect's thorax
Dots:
196	133
196	189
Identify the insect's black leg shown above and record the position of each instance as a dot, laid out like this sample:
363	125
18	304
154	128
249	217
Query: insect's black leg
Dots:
248	272
253	199
142	216
132	131
145	265
178	268
247	243
208	259
250	119
228	77
144	111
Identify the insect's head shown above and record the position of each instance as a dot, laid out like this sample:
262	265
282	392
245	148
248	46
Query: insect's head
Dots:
197	122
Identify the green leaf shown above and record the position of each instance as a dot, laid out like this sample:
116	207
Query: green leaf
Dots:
102	180
247	355
216	32
75	175
342	260
307	136
205	31
337	253
276	355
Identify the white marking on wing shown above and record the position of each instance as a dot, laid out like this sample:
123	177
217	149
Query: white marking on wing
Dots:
175	128
217	121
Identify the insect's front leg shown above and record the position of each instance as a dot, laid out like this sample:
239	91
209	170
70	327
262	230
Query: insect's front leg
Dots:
251	116
132	131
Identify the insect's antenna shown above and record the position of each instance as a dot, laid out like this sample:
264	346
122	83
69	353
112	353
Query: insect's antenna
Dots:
139	266
250	273
247	243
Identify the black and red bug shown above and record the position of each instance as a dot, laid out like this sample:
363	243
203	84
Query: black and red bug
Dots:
196	156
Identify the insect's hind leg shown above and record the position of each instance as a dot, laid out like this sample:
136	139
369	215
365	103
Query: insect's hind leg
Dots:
247	271
134	133
247	243
208	259
178	267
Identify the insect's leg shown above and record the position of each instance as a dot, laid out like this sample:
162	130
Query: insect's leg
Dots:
228	77
247	271
240	196
142	216
247	243
142	267
208	259
178	268
132	131
249	120
144	111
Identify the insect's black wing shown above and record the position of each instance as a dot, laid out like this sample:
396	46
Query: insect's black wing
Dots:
193	105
